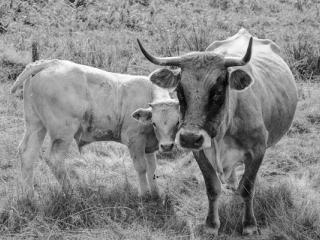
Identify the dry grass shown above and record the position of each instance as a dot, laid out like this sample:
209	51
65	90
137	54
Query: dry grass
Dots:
104	203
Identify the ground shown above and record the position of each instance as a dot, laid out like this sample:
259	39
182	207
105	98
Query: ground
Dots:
104	203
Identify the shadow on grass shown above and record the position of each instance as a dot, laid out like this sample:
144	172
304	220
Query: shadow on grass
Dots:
88	208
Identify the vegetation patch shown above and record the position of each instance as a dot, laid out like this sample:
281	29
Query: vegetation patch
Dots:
298	127
85	208
103	34
314	118
278	208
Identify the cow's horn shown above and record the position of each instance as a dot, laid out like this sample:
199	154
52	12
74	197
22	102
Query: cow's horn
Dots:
232	62
165	61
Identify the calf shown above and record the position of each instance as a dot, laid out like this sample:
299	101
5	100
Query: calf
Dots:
72	101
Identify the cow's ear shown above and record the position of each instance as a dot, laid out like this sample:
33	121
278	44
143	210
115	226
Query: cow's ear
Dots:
143	115
239	80
165	78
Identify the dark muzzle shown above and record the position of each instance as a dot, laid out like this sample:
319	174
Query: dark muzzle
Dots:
191	140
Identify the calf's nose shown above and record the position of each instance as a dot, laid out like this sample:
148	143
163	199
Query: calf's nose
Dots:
166	147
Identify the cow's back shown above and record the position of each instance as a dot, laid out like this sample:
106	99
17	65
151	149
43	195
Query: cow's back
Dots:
274	91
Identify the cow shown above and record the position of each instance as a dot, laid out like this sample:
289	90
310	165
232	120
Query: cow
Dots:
71	101
242	94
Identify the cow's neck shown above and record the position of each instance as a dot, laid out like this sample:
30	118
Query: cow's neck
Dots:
230	126
228	113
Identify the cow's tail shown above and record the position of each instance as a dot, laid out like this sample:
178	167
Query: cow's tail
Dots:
30	70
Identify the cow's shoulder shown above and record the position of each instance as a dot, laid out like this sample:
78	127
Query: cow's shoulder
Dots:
237	44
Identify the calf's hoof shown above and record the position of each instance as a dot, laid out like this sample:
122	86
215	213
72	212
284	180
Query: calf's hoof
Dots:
206	232
155	195
250	230
147	197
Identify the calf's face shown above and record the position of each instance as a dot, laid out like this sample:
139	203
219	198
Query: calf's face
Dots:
165	118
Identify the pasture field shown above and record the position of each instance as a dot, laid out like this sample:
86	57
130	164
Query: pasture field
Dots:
104	203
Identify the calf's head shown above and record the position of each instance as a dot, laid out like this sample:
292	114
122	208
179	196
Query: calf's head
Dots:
202	82
164	117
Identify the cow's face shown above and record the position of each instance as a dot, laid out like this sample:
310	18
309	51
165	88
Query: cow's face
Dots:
165	118
202	85
202	94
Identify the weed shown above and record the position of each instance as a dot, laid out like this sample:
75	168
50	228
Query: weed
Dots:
197	39
298	127
304	58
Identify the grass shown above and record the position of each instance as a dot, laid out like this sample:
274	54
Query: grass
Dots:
104	203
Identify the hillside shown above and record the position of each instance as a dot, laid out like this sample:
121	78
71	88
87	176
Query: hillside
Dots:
105	203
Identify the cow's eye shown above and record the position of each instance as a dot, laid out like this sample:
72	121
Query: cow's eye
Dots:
154	124
178	123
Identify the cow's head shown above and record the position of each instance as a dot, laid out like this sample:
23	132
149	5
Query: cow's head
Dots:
165	117
202	82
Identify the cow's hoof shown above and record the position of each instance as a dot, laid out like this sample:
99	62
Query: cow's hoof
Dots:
206	232
250	230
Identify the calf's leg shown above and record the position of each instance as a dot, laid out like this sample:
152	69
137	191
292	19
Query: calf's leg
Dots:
151	168
56	162
29	149
138	157
232	182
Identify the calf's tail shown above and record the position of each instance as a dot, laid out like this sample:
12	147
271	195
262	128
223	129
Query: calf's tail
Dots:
30	70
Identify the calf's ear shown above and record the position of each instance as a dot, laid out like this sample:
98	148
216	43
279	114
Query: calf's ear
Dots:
143	115
165	78
240	80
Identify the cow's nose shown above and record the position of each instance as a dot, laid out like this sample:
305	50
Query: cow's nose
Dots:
166	147
191	140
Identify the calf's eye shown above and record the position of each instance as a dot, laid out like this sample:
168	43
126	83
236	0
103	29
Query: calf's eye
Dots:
154	124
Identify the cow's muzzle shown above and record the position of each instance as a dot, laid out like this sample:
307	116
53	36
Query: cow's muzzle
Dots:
193	139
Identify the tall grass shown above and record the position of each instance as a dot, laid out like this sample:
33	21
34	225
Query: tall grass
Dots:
88	207
103	34
304	58
281	208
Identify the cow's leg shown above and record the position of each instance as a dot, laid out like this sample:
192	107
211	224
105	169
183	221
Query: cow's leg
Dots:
28	150
252	163
151	168
139	162
56	162
213	186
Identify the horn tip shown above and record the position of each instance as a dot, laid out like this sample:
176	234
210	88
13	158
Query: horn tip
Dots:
250	41
139	43
247	57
